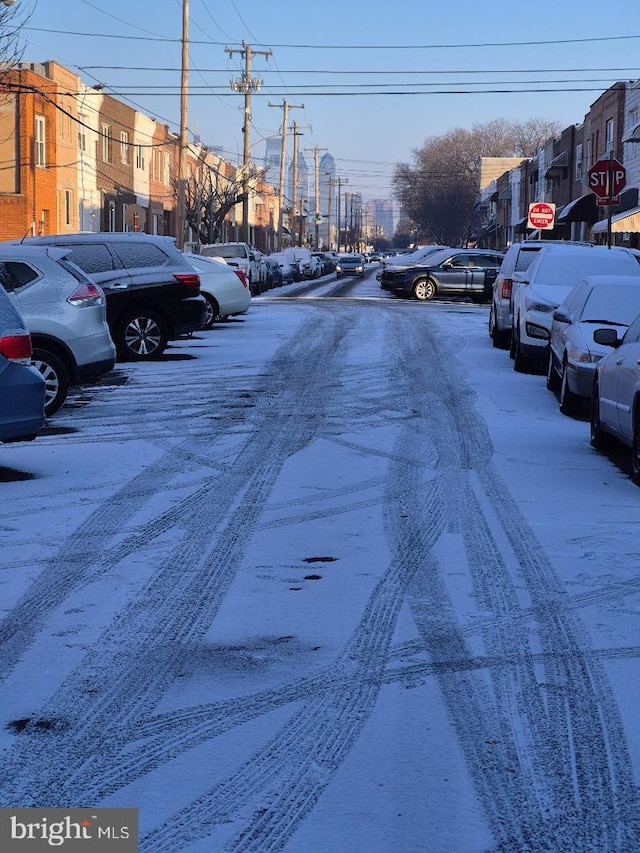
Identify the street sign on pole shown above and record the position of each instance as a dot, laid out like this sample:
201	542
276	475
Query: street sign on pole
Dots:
606	172
542	215
607	179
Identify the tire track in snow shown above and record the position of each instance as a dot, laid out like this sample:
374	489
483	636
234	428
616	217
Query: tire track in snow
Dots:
180	601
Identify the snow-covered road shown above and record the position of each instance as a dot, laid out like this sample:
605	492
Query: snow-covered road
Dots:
330	577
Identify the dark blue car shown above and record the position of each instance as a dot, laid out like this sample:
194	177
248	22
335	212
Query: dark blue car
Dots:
21	385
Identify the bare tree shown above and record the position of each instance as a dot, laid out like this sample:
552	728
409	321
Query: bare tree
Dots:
438	191
12	17
209	197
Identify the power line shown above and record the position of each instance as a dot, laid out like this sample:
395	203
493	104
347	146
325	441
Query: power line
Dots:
377	47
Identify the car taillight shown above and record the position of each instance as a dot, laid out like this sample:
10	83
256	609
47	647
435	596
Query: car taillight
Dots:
242	278
16	348
506	287
86	294
190	280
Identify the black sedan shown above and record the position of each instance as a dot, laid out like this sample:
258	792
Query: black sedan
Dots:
448	272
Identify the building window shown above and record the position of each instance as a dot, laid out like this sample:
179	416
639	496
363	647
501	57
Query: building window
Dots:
82	139
579	161
608	136
68	207
588	153
166	178
106	134
124	147
139	157
40	140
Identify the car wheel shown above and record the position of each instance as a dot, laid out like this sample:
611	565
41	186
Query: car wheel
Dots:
569	402
553	383
635	447
56	379
212	311
521	363
424	289
499	337
597	436
140	336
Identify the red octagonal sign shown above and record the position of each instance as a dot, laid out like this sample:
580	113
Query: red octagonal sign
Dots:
541	215
600	173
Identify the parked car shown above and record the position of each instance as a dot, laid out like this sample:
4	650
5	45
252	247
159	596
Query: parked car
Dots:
408	259
309	267
350	263
517	258
274	272
289	270
21	385
153	293
615	401
326	260
240	255
597	302
225	288
544	285
447	271
65	313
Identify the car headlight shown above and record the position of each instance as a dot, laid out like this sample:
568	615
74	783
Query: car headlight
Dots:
535	331
359	269
581	356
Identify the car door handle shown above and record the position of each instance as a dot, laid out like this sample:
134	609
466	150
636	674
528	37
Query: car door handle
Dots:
119	286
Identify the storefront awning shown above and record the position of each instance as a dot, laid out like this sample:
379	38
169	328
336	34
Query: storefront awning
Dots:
620	222
558	165
583	209
505	195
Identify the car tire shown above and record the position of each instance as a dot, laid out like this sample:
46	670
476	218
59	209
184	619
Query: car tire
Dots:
424	289
521	364
569	402
56	378
553	382
140	336
635	446
212	311
499	338
598	438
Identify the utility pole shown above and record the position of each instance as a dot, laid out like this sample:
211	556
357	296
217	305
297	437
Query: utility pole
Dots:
329	241
316	152
246	84
294	191
283	158
340	182
181	217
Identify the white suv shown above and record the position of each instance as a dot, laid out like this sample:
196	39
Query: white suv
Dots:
241	256
65	313
545	284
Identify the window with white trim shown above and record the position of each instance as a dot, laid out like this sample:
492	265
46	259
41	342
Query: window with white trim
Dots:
40	141
124	147
579	161
106	135
139	157
608	143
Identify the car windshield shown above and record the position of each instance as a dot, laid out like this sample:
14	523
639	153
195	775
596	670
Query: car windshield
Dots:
612	304
229	251
566	270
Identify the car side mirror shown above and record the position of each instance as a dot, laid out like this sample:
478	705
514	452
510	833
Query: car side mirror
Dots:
562	315
252	257
607	338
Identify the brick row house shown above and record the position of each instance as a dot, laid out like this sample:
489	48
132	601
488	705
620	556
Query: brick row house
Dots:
73	158
558	174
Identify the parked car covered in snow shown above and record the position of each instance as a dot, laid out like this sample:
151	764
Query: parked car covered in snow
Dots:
225	288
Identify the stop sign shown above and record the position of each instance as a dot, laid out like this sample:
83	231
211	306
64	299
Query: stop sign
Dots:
599	178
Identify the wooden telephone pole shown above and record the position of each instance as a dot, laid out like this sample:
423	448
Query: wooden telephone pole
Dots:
246	84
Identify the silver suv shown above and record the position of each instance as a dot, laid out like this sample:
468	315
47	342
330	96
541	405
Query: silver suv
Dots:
153	293
65	313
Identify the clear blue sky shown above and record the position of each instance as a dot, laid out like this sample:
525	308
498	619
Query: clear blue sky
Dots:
438	59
